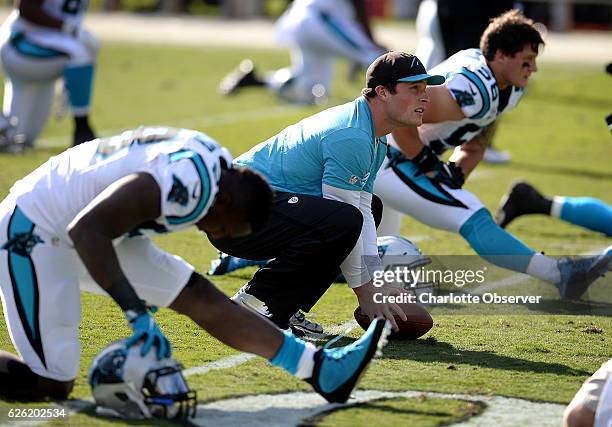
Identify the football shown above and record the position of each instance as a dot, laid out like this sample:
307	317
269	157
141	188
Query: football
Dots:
417	324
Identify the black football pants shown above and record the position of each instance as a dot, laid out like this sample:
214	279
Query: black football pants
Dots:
307	238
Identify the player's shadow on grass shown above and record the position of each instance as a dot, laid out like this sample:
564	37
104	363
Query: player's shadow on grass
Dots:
576	308
431	350
558	170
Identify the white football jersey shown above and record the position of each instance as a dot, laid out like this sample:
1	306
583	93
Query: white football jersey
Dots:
185	163
343	8
65	10
472	84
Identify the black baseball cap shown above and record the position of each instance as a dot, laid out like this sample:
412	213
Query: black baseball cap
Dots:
398	67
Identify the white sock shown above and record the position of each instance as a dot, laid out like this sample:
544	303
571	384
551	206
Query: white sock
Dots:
544	268
306	363
556	206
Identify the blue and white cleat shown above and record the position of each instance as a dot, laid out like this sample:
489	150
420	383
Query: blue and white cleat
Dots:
337	370
227	263
578	274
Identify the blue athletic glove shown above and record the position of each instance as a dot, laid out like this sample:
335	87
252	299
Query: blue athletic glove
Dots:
449	174
145	327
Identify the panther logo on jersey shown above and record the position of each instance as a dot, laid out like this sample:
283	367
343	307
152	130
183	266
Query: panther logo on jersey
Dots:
179	193
463	97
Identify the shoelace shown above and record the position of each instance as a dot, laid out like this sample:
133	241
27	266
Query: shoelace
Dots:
301	318
331	342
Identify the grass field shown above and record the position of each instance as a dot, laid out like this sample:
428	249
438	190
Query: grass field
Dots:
559	142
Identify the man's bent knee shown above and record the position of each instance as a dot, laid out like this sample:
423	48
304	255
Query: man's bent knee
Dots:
578	416
348	221
19	382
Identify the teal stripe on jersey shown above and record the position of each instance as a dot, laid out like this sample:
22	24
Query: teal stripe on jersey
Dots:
21	267
20	243
204	179
483	92
28	48
336	29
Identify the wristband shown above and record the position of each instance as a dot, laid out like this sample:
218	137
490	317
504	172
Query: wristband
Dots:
426	160
125	296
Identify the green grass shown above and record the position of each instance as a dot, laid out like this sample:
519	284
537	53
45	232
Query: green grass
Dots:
559	142
423	411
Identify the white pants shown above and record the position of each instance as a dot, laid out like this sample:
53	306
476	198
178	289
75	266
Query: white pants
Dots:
430	48
429	202
316	39
30	78
40	283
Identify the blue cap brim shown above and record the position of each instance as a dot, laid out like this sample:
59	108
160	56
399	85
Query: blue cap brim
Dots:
429	79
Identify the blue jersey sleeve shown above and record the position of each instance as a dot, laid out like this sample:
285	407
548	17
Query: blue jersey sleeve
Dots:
347	159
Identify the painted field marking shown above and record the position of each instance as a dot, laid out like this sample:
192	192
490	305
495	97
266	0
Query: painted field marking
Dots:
226	363
293	409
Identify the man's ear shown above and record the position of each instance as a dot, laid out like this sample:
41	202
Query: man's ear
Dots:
381	92
499	55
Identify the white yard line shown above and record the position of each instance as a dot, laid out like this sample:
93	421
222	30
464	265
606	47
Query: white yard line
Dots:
293	409
239	359
515	279
226	363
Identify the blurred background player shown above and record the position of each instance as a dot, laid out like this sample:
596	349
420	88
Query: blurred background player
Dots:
42	41
447	26
524	199
316	32
480	86
81	221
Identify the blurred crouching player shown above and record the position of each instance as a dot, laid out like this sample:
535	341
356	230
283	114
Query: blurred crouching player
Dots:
317	33
42	41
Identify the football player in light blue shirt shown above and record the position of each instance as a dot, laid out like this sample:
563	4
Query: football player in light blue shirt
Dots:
323	169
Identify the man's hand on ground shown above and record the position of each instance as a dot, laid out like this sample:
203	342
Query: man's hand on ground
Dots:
383	310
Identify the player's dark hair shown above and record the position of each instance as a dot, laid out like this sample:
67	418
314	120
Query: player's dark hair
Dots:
370	92
510	32
252	196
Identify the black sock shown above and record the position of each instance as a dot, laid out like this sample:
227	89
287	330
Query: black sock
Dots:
81	123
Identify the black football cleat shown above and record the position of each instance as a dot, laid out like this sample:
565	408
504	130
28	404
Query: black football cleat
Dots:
522	199
242	76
